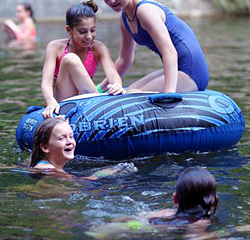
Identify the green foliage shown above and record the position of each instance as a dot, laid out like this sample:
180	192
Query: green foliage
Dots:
236	7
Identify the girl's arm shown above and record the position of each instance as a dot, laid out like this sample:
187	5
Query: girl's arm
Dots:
11	25
127	52
152	21
47	80
113	78
164	213
119	170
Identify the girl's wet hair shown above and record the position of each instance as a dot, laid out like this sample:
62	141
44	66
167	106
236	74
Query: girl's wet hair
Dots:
42	136
75	13
196	192
28	8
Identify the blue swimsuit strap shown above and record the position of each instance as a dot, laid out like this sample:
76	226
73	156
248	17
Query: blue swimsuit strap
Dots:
150	2
136	8
43	162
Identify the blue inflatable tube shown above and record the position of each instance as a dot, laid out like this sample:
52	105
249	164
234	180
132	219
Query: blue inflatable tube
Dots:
140	124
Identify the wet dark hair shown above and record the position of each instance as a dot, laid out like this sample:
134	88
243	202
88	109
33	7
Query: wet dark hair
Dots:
42	136
196	192
75	13
28	8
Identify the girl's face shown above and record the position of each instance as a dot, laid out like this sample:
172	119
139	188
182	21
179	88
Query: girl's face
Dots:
117	5
84	33
21	13
61	146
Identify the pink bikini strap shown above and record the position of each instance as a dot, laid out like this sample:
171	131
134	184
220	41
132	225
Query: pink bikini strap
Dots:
65	51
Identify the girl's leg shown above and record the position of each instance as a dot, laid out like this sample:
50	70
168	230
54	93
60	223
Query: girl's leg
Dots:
155	82
145	80
185	83
73	78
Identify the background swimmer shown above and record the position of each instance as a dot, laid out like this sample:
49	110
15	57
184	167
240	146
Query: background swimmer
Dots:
26	29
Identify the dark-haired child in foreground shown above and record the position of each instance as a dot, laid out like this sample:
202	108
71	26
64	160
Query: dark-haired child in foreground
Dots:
195	197
70	64
54	146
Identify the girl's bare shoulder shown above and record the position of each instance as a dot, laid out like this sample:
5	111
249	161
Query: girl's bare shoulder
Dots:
58	44
98	44
99	47
29	22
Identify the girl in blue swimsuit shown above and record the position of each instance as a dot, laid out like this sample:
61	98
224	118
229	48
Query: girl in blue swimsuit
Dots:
153	25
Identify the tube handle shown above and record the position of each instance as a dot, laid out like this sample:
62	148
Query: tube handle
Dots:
172	97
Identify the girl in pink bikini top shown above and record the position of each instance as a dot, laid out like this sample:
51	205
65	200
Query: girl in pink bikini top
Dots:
73	63
90	63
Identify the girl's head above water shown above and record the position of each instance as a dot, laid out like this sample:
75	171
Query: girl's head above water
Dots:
76	13
53	142
23	11
81	24
196	193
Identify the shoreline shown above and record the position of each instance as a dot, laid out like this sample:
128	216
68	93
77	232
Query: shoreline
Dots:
111	17
115	16
55	19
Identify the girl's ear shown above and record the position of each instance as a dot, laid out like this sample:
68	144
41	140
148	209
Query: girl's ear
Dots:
216	200
68	29
44	148
176	202
214	206
29	13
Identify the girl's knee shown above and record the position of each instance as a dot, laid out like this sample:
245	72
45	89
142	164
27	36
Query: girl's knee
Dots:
71	59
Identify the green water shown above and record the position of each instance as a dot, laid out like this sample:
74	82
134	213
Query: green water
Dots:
55	209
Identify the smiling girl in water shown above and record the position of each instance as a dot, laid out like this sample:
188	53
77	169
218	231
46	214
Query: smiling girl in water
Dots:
70	64
54	146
